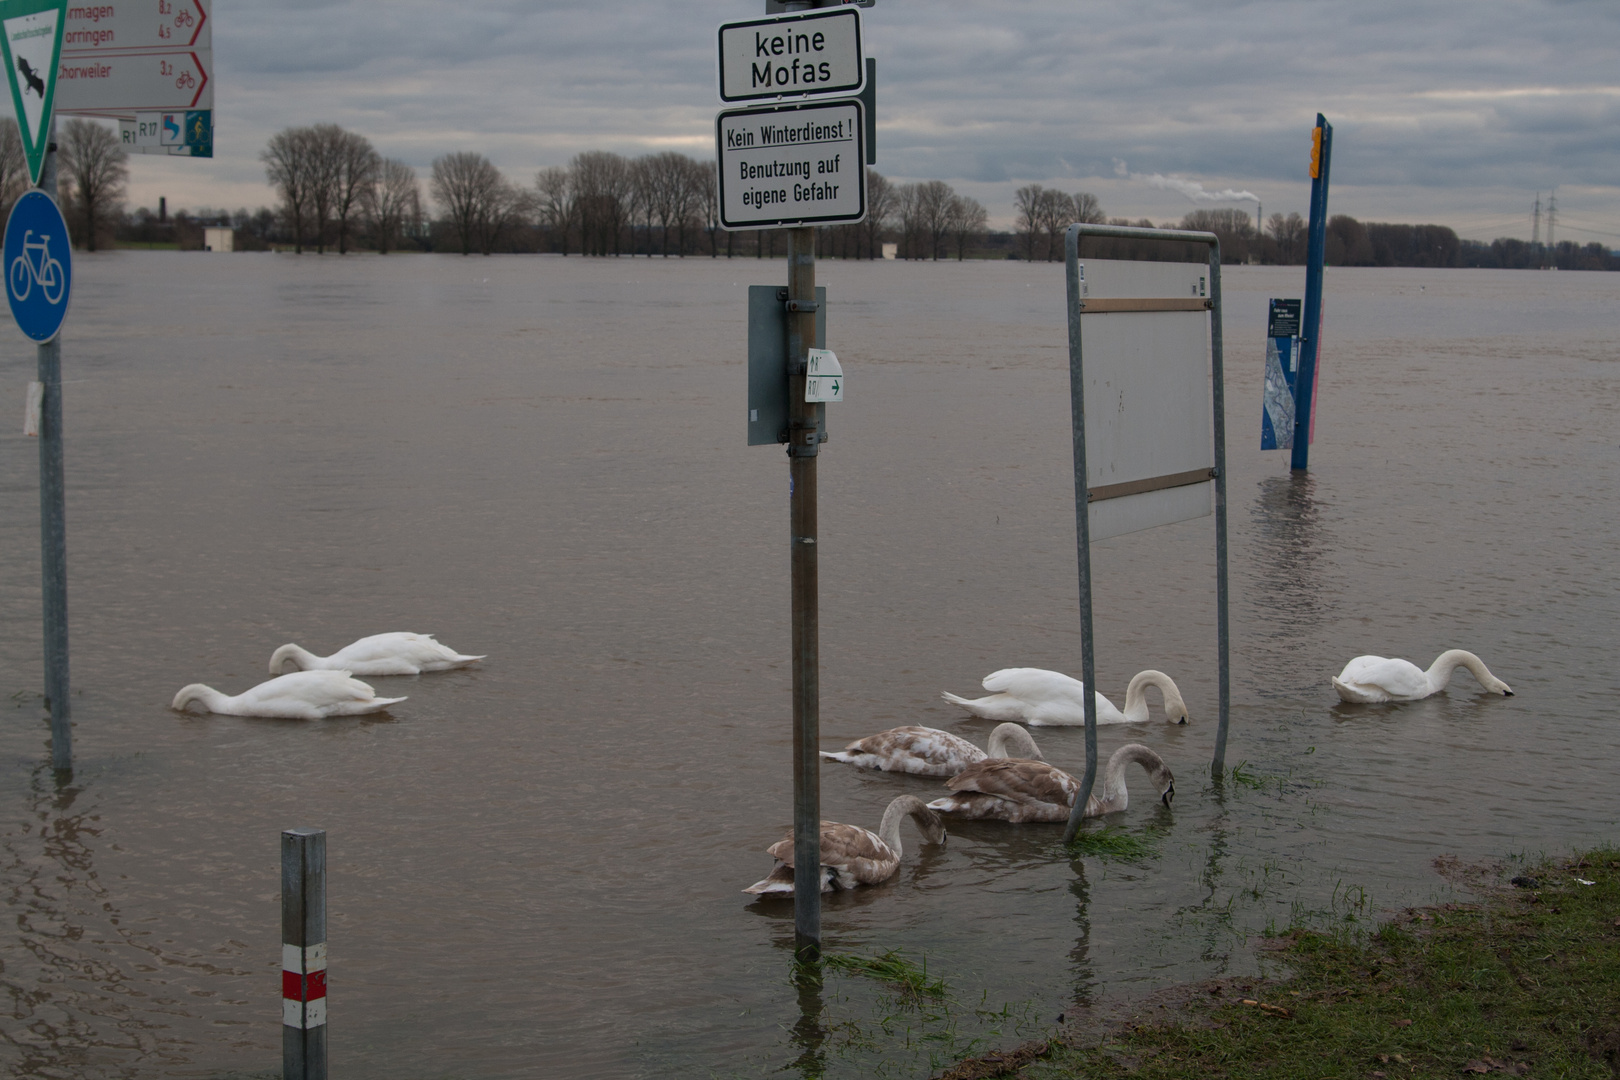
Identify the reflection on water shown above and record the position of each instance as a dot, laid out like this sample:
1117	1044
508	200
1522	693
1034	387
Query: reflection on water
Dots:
537	866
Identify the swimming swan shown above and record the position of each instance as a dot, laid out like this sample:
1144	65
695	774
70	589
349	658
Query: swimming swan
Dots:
851	855
1043	698
1020	791
1368	679
303	695
400	653
926	751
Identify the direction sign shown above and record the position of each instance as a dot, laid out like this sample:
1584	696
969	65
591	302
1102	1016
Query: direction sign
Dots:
787	165
122	84
816	52
824	376
180	134
31	36
163	25
38	257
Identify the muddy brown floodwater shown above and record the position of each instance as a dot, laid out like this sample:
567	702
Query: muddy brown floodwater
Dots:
536	865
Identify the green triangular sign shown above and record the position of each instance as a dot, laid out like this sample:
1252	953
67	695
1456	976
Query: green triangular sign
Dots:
31	34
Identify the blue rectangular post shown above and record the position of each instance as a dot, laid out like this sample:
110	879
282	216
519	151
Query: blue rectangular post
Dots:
1311	331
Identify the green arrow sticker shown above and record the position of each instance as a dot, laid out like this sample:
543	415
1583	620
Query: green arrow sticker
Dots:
31	35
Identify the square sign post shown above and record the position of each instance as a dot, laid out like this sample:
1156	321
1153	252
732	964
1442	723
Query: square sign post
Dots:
796	165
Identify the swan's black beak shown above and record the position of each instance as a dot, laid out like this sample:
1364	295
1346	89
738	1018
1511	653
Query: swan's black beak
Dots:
1183	720
1169	793
1507	693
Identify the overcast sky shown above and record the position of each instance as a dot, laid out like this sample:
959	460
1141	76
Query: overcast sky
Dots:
1449	111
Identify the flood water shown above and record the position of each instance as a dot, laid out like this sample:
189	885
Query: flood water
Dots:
535	866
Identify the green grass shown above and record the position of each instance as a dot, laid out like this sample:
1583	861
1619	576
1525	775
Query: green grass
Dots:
1525	983
890	968
1112	842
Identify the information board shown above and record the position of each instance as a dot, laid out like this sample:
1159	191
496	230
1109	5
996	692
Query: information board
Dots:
787	165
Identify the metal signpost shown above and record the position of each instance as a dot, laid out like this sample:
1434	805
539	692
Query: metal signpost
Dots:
147	64
1148	408
303	954
39	282
1310	352
795	166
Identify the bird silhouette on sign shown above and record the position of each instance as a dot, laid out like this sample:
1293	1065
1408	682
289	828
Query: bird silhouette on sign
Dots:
35	83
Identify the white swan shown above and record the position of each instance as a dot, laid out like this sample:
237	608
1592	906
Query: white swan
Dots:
303	695
851	855
1042	698
1020	791
1368	679
400	653
926	751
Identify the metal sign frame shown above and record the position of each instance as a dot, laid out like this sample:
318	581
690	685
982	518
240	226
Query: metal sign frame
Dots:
1084	495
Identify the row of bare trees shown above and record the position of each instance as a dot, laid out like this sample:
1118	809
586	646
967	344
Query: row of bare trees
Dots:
1043	214
91	177
333	184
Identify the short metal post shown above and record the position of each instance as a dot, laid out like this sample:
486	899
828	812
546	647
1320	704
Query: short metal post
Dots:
1222	635
1082	528
53	524
303	954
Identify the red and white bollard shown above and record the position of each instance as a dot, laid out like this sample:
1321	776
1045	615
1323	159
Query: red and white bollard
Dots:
303	954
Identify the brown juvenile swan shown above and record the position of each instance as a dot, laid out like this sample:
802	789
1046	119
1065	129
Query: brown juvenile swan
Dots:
926	751
851	855
1020	791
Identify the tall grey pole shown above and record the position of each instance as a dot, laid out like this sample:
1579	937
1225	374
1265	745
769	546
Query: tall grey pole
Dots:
1082	528
1223	637
803	447
53	524
303	954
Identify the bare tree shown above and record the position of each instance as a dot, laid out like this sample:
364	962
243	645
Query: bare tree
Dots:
289	168
1289	234
355	169
968	220
1028	201
94	169
325	170
554	190
13	165
880	208
506	207
391	203
933	215
465	184
1056	211
705	195
602	183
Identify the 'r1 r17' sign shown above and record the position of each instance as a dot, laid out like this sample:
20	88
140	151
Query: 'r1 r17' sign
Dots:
787	165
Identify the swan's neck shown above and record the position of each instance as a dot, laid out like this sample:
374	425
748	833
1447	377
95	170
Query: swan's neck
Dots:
1012	741
1439	673
1114	796
210	697
901	808
302	659
1136	705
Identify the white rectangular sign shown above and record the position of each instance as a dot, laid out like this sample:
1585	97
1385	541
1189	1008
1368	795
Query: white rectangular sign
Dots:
1147	391
137	24
123	84
817	52
788	165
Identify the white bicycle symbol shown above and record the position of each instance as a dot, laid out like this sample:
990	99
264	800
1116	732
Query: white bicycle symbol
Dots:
48	273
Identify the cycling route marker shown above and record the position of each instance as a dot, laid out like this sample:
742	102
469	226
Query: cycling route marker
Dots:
31	40
39	266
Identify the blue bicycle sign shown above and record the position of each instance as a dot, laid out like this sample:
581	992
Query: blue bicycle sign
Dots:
38	258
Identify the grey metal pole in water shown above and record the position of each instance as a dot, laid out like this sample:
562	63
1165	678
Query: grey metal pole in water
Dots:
303	954
803	446
53	525
1222	634
1082	526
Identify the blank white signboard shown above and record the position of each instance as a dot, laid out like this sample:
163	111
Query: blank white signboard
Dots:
1147	396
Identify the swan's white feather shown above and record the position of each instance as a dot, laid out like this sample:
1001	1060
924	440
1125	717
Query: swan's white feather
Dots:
1372	679
301	695
1042	698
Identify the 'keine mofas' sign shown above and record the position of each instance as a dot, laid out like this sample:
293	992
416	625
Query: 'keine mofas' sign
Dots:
39	265
788	165
817	52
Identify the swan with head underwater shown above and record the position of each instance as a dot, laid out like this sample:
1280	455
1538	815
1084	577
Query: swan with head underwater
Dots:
1020	791
1368	680
926	751
399	653
302	695
1042	698
853	856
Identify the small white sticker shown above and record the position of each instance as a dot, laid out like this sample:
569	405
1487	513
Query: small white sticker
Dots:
31	410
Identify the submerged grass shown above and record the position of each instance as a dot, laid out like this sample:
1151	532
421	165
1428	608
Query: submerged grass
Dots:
1525	983
890	968
1112	842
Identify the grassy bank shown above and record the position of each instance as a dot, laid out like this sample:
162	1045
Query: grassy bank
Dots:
1524	983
